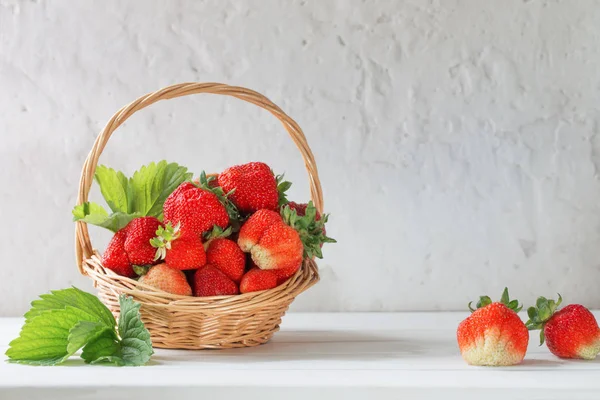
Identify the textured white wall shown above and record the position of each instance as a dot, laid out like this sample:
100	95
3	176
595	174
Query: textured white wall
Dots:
458	140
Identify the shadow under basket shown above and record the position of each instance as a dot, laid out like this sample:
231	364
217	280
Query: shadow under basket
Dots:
186	322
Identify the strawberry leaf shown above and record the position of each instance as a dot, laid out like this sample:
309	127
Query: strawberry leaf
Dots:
150	186
114	188
95	214
64	321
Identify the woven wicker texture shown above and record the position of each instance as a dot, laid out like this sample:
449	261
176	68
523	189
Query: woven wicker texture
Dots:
180	322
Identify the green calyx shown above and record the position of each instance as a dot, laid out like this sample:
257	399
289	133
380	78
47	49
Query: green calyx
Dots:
164	236
282	187
311	231
235	218
141	270
505	299
540	314
218	233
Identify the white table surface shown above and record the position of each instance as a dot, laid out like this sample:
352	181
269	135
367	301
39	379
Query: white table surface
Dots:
355	355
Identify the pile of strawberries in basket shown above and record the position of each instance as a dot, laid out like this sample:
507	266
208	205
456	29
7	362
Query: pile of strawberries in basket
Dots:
212	236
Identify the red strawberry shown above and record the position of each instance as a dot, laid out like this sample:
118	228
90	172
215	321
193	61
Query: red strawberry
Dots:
258	279
209	281
254	187
195	210
283	241
493	334
115	258
571	332
179	251
255	226
225	255
167	279
137	244
285	273
279	247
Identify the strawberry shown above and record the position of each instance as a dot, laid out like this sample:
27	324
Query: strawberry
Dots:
225	255
493	334
253	187
279	247
282	241
258	279
255	226
179	252
283	274
571	332
196	210
167	279
115	257
137	244
209	281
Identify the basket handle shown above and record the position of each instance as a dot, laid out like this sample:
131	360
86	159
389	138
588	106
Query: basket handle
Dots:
83	246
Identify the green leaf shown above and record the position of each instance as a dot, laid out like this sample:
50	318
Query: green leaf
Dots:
150	186
104	349
84	332
114	188
136	347
282	187
44	339
541	301
542	336
95	214
87	303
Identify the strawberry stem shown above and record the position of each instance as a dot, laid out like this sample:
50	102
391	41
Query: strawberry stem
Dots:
540	314
504	299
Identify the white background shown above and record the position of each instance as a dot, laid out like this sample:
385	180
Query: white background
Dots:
457	140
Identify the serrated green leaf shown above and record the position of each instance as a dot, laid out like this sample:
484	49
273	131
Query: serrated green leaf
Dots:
95	214
84	332
87	303
136	347
44	339
150	186
101	349
114	188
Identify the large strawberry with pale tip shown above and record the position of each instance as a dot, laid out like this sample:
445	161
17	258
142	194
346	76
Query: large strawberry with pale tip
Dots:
282	241
253	187
571	332
167	279
493	334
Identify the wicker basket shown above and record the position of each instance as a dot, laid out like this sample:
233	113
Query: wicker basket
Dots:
180	322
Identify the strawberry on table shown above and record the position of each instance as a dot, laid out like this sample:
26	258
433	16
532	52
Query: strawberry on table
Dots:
179	251
137	243
210	281
167	279
493	334
253	187
115	257
258	279
196	210
571	332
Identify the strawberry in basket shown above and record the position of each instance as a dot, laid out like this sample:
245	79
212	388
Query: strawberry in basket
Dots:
253	187
282	241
